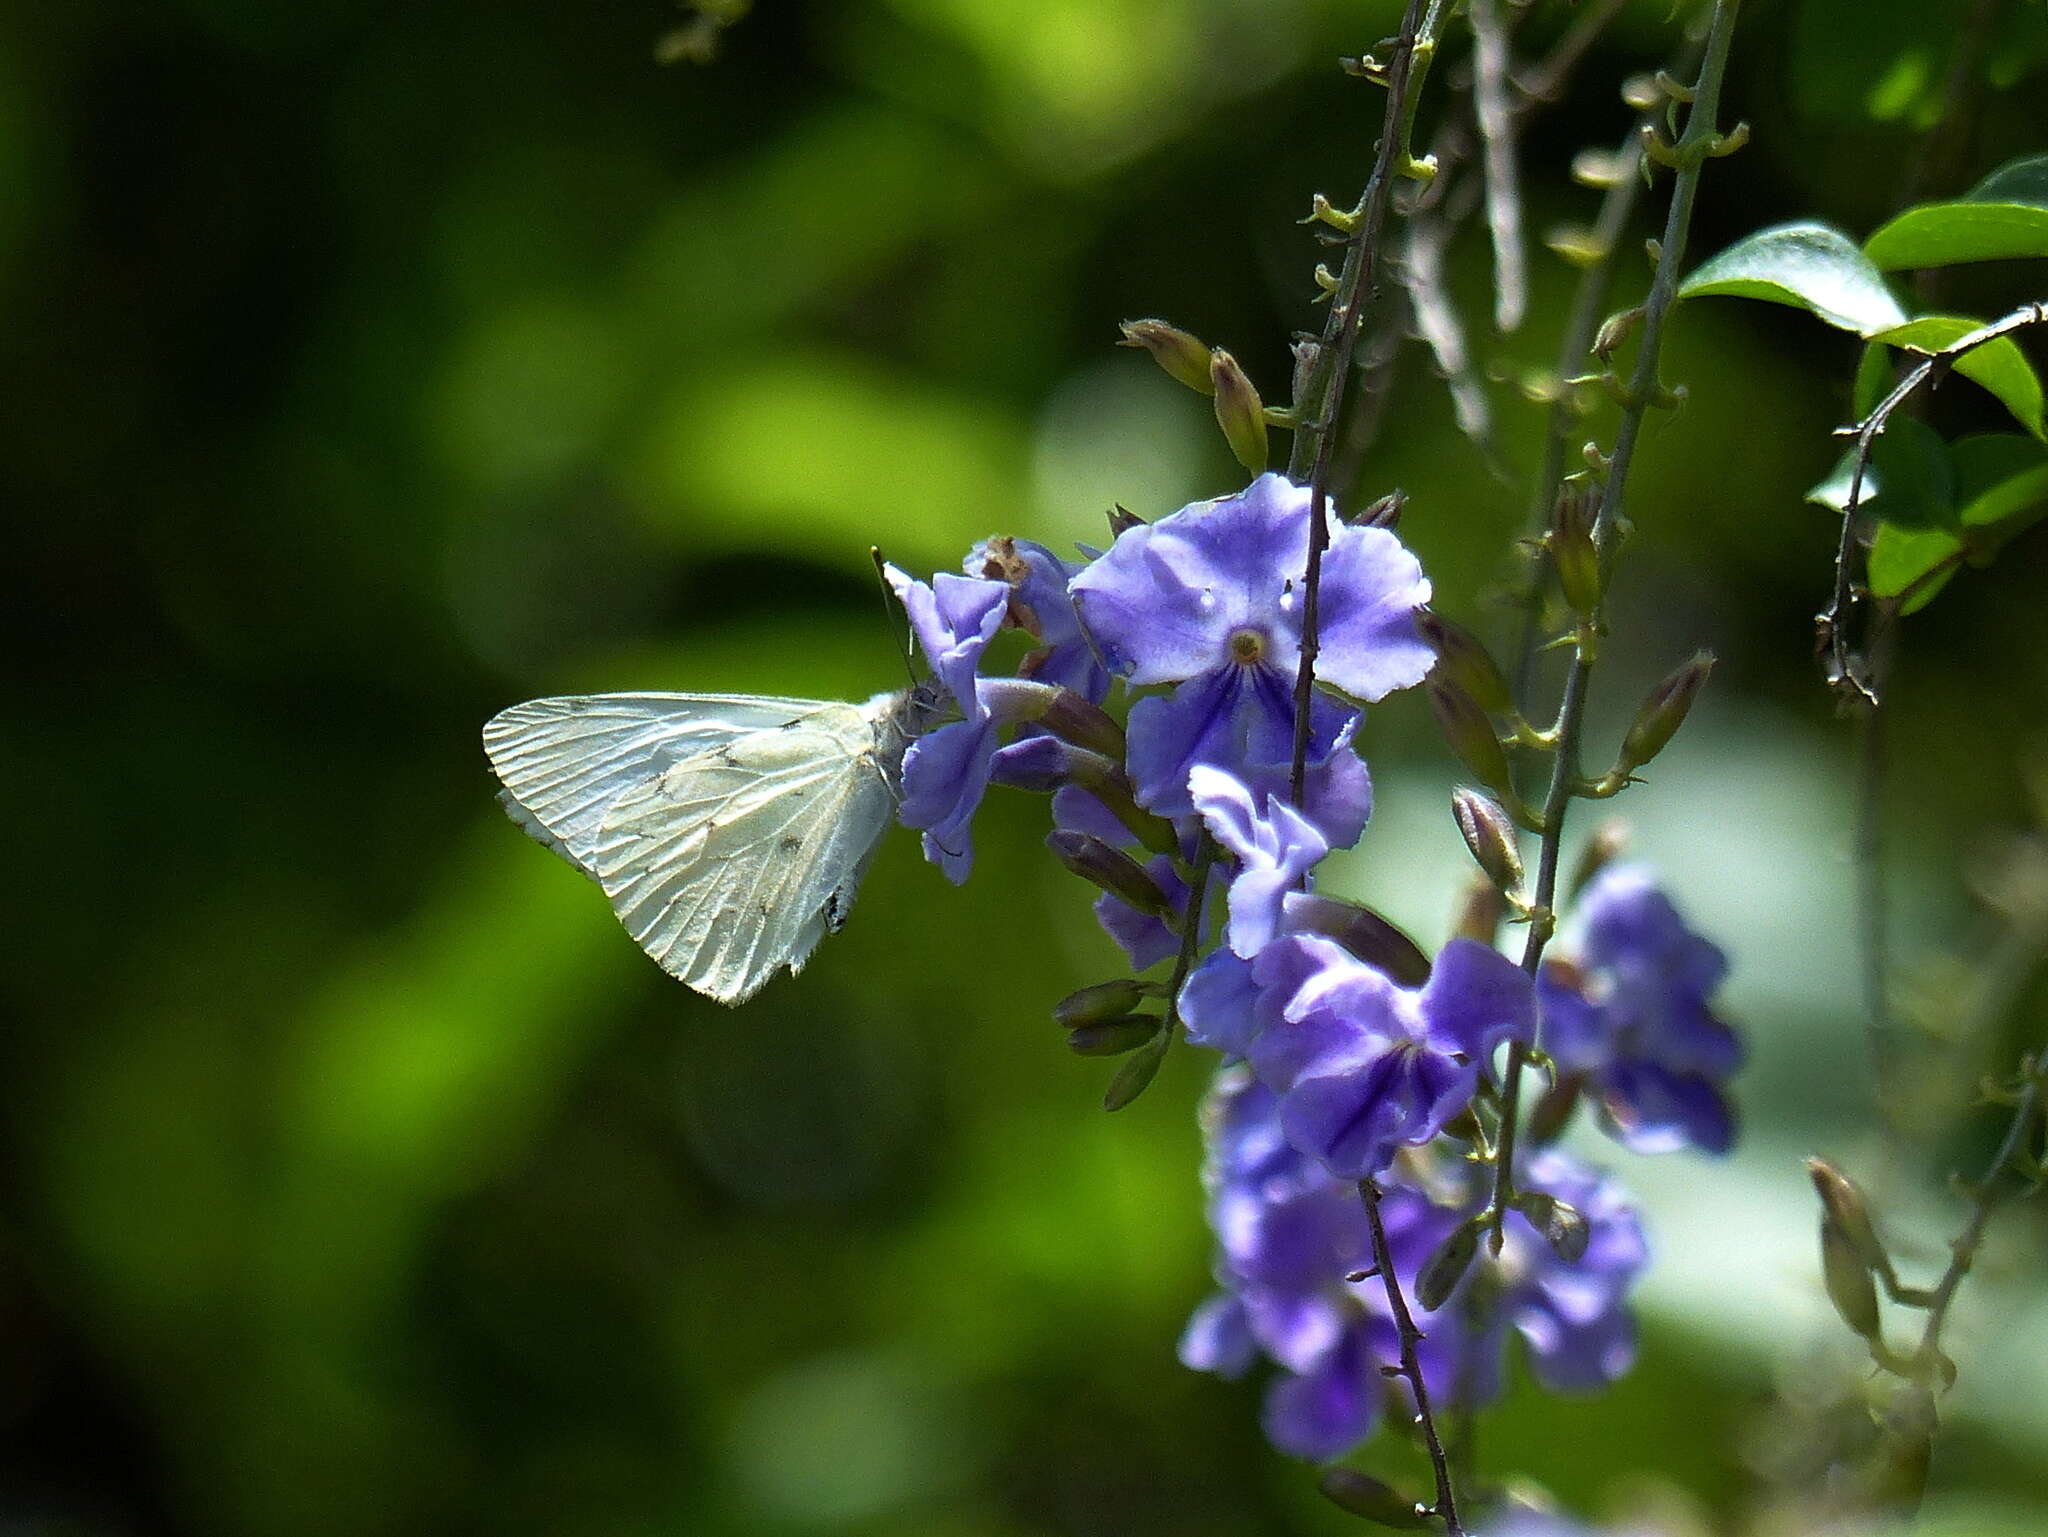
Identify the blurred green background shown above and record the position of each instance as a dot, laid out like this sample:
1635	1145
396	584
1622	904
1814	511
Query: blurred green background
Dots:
377	365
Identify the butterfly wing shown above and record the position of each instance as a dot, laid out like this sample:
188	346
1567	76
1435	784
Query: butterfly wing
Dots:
736	860
564	761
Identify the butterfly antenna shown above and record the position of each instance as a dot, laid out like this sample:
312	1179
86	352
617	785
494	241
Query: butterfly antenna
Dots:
889	608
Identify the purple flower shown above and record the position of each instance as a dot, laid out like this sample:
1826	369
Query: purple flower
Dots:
1143	937
1041	606
1629	1014
1273	845
1365	1066
1209	598
954	619
1288	1233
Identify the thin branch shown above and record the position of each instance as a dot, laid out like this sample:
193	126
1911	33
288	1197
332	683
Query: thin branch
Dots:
1320	412
1843	668
1985	1197
1497	143
1692	151
1446	1507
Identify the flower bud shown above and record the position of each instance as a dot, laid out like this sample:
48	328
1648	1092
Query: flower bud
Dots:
1562	1225
1480	912
1137	1073
1847	1277
1573	553
1662	713
1362	1495
1180	354
1490	837
1385	512
1444	1269
1462	658
1470	734
1361	931
1112	1037
1608	843
1102	1001
1073	718
1844	1206
1111	869
1239	411
1553	1111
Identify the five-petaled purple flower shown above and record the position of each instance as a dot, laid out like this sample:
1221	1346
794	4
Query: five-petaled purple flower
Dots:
1365	1066
1629	1015
1210	599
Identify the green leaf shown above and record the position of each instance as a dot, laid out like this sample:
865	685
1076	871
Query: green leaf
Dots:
1873	379
1995	474
1909	479
1811	266
1900	557
2004	216
1999	366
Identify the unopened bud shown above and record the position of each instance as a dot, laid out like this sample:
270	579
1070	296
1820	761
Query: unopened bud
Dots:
1444	1269
1481	911
1609	841
1362	931
1662	713
1553	1111
1848	1281
1306	350
1112	1037
1362	1495
1121	521
1102	1001
1616	329
1383	512
1463	658
1073	718
1573	553
1239	411
1843	1202
1470	734
1111	869
1490	837
1564	1228
1137	1073
1180	354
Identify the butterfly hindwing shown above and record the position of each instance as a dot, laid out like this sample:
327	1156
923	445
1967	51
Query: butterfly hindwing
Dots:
736	860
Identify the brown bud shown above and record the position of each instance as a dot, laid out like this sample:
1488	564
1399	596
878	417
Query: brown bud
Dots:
1239	411
1662	713
1844	1205
1490	837
1072	718
1361	1495
1111	869
1181	355
1444	1269
1363	932
1462	658
1470	734
1848	1281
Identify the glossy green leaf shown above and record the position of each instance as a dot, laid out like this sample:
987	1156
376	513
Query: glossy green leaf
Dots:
1811	266
1873	379
1901	557
1999	366
2004	216
1995	472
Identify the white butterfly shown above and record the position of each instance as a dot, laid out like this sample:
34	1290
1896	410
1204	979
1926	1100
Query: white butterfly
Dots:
729	831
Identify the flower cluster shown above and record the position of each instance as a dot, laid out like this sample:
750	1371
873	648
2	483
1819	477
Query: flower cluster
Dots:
1352	1061
1291	1237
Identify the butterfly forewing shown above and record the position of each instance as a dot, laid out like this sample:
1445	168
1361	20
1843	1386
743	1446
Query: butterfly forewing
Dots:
564	762
735	860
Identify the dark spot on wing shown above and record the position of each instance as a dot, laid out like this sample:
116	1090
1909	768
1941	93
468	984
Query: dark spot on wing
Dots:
790	843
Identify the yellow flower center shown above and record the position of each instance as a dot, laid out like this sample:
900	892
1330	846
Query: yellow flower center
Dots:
1246	646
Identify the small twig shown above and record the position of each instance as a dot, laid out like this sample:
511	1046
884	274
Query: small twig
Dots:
1843	668
1985	1197
1321	409
1446	1507
1497	145
1692	152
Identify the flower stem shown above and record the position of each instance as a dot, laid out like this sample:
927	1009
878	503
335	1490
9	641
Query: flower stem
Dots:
1692	152
1321	407
1446	1507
